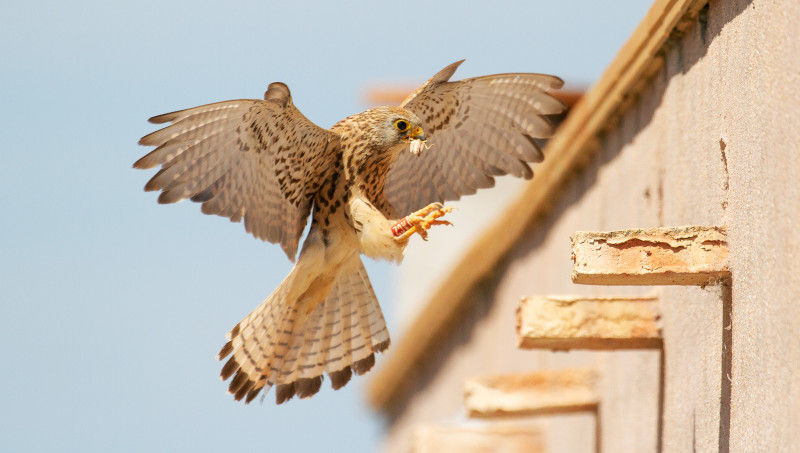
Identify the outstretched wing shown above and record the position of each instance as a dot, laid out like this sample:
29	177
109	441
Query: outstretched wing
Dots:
261	161
477	129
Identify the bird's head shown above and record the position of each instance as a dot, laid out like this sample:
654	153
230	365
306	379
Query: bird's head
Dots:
393	128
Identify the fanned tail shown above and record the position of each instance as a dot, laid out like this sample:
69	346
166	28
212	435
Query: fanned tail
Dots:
279	344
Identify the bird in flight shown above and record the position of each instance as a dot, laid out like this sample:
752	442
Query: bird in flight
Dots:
369	183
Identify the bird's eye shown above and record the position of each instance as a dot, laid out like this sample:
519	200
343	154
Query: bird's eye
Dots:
401	125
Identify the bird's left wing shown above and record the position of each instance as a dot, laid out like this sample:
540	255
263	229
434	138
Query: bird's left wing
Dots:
476	129
261	161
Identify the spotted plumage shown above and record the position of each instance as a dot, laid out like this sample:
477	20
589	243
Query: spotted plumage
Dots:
263	162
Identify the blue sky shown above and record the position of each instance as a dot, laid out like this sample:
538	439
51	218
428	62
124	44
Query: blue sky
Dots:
112	307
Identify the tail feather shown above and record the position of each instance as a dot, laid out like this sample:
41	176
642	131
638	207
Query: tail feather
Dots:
276	345
372	317
362	325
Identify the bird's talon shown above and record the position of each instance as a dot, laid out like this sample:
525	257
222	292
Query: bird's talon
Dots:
419	222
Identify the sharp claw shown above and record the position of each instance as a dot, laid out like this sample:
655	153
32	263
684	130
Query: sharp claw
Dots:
420	221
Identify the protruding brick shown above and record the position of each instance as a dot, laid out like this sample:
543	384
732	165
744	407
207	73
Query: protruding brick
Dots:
480	439
555	322
544	392
660	256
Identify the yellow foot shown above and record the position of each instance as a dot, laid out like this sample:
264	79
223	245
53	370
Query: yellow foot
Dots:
419	222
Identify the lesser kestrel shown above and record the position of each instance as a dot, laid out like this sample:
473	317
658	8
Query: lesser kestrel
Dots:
369	183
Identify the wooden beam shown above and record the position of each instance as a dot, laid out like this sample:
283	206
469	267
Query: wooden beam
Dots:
544	392
572	146
557	322
660	256
469	439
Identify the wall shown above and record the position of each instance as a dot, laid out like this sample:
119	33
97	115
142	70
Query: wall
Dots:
712	139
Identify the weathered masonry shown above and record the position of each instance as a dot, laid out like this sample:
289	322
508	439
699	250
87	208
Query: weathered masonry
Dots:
640	295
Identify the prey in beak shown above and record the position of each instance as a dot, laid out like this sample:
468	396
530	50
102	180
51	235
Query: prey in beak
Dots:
416	139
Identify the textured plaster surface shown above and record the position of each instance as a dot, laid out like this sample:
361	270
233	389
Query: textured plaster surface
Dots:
713	139
544	392
549	322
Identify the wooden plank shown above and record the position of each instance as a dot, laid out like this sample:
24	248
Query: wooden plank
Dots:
558	322
573	144
479	439
693	255
544	392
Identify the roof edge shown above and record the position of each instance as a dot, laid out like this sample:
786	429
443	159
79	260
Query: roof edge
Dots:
572	145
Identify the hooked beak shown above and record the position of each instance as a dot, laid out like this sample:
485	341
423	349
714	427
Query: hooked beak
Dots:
416	134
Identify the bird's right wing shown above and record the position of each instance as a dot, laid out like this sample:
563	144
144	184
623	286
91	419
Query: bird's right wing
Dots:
261	161
476	129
